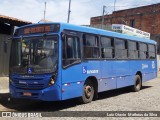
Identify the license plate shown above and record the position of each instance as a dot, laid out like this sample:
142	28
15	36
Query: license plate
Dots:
27	94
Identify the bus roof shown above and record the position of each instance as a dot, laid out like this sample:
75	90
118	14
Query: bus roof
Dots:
95	31
104	32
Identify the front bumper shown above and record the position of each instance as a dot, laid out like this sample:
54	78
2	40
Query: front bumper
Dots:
48	94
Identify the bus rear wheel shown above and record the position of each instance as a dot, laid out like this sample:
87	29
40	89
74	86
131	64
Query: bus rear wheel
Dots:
137	84
88	92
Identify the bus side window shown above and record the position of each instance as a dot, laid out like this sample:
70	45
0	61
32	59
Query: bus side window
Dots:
107	50
90	47
151	51
143	52
120	49
132	50
71	50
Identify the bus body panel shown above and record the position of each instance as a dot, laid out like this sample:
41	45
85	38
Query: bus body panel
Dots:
108	80
146	67
118	74
122	69
73	78
115	74
106	84
72	82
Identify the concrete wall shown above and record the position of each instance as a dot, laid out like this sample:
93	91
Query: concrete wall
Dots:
4	54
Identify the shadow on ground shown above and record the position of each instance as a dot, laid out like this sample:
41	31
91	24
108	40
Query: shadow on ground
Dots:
24	105
116	92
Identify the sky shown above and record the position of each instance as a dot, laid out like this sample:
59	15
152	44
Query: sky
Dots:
57	10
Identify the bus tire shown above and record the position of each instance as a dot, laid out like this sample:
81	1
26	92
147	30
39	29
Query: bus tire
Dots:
88	92
137	84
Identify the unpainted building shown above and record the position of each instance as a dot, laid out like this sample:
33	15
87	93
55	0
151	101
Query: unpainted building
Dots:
7	26
145	18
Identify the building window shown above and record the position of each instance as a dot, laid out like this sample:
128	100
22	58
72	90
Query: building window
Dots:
132	23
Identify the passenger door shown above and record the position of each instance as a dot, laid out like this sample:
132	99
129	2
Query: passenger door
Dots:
71	65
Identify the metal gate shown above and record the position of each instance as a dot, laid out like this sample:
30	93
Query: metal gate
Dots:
4	54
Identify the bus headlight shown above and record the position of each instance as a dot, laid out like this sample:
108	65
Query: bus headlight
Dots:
10	81
52	80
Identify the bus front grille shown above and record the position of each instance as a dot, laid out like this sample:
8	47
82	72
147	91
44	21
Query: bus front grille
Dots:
30	86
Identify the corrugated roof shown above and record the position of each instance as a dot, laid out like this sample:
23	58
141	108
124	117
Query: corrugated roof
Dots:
13	21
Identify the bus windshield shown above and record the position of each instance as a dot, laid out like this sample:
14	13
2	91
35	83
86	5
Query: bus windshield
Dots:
34	55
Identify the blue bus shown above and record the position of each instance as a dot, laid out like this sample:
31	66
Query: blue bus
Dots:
59	61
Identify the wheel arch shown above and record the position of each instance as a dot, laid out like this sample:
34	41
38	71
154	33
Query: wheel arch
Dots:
94	81
140	74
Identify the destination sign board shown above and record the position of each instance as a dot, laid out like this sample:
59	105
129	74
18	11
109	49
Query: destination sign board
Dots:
34	29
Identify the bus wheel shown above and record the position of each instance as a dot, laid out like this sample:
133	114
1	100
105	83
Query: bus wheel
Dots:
137	84
88	92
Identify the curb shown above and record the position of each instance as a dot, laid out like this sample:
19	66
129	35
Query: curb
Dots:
4	91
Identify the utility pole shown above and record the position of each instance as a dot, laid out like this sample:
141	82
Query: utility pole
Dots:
69	11
114	5
103	16
114	8
45	11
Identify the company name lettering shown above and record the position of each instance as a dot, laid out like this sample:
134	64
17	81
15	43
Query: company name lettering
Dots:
92	71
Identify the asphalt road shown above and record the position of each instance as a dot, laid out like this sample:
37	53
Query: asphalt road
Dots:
148	99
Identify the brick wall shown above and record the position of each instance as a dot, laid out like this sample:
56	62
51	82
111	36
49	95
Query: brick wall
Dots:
146	18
